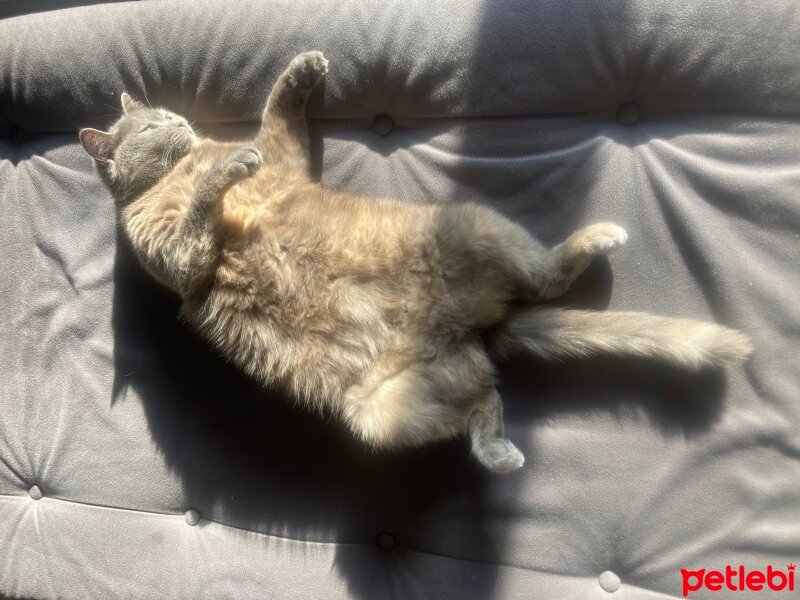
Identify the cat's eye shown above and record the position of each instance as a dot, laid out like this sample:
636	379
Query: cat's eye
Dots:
148	126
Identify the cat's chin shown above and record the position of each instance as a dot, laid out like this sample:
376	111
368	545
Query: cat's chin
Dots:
184	144
190	134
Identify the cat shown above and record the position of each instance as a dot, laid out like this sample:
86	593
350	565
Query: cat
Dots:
387	314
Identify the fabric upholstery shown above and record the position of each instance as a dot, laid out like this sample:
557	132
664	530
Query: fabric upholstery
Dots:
679	120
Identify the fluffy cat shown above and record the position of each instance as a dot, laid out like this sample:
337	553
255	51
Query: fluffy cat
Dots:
384	313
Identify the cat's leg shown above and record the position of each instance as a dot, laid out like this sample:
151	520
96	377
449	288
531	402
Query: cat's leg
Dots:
283	137
502	261
541	274
408	409
486	432
402	409
198	244
410	403
565	262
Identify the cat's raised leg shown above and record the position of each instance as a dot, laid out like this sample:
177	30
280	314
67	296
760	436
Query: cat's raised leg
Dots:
197	234
540	274
494	260
487	436
565	262
283	137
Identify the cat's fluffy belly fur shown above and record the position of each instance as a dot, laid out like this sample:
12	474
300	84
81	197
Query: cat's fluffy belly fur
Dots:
387	314
325	282
314	288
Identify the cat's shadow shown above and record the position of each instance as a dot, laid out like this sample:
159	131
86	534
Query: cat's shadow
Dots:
248	458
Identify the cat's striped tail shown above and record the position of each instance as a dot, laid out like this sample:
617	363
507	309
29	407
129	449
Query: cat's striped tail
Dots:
551	332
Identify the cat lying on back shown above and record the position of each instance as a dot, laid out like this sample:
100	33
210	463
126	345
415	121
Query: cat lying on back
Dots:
385	313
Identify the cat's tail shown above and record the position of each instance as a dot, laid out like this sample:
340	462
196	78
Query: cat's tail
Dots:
560	333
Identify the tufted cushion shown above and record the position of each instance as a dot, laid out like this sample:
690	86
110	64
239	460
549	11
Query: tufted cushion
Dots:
135	463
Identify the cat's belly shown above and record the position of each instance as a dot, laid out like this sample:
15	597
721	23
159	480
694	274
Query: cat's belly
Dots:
313	347
313	307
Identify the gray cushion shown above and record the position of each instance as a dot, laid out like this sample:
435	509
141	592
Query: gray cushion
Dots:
679	121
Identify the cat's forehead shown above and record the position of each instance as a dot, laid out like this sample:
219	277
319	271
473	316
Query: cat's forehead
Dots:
136	118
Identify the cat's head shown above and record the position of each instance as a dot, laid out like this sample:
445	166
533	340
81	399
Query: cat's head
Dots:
140	148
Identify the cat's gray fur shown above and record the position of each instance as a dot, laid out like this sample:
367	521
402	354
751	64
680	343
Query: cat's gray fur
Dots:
385	313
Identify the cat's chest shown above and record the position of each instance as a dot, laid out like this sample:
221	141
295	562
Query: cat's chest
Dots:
248	212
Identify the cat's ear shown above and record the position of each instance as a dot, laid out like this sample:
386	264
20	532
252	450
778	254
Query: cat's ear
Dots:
128	103
98	144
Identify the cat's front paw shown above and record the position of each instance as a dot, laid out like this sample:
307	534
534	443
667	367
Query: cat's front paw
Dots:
243	162
306	70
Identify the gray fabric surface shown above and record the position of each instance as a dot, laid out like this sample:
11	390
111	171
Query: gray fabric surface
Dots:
124	420
14	8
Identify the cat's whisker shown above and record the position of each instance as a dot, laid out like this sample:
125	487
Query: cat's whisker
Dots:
146	99
117	111
164	158
196	130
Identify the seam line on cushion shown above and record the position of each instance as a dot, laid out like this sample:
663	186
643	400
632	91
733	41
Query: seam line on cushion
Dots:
337	543
770	116
486	562
181	515
537	570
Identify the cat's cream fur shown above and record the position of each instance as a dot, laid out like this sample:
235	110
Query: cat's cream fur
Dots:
385	313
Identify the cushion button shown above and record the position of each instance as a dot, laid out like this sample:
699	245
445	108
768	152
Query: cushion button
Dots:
628	113
386	541
383	124
609	581
35	492
192	517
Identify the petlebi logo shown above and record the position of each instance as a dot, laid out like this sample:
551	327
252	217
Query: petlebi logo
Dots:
738	579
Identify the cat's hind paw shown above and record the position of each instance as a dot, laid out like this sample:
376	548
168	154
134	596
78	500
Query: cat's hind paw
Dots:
499	455
600	238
